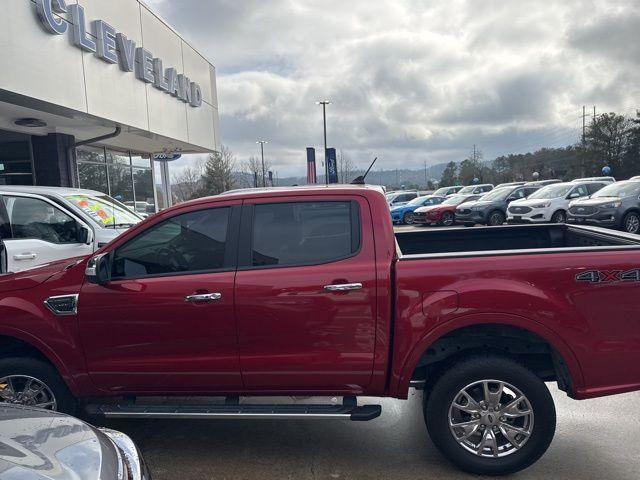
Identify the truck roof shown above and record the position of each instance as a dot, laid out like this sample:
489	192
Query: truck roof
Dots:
59	191
306	189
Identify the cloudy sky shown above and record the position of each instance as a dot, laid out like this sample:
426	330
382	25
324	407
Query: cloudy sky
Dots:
412	80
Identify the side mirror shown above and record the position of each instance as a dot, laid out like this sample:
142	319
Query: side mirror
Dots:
573	195
85	235
98	269
510	199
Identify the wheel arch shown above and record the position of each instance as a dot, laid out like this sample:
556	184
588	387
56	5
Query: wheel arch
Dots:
16	343
560	351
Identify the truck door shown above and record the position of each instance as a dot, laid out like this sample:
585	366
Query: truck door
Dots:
164	323
306	294
37	232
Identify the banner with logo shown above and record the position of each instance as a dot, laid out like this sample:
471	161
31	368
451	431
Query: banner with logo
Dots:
332	165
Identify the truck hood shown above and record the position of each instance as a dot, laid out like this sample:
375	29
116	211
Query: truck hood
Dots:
43	445
34	276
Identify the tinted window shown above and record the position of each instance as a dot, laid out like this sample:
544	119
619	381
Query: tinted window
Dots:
35	218
191	242
304	233
519	193
594	187
581	191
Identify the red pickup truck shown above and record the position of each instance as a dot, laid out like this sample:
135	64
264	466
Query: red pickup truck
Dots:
308	291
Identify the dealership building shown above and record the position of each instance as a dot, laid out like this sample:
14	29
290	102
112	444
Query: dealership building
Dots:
91	91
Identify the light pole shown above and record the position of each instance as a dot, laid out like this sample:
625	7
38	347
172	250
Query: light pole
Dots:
324	104
262	142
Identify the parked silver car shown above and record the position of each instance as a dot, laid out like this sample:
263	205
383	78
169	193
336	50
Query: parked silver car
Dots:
40	444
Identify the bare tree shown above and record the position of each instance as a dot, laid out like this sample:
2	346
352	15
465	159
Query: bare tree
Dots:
186	185
345	168
252	169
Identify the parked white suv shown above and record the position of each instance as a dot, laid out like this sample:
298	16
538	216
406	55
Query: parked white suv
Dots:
43	224
550	203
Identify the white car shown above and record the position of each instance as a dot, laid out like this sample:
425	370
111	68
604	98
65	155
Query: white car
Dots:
550	203
39	225
399	198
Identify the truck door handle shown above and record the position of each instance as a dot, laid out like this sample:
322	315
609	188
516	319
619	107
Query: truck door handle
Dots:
343	287
203	297
25	256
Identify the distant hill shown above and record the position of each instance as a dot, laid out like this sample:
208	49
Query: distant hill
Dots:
389	178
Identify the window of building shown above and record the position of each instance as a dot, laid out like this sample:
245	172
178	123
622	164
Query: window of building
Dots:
16	165
305	233
121	175
191	242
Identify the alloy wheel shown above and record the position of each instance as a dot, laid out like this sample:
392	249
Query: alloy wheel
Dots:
491	418
27	391
408	218
447	219
559	217
632	224
496	219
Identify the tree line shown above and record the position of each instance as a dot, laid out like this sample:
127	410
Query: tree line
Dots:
610	140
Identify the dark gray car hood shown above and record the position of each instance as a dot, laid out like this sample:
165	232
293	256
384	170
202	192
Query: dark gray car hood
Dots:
43	445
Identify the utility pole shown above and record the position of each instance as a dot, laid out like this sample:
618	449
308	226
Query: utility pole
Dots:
426	182
264	178
397	184
324	104
584	139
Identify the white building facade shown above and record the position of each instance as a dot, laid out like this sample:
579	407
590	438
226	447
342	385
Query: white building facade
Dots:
90	90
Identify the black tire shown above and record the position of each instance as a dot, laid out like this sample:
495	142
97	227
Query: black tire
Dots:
44	373
559	217
447	219
408	218
473	369
496	218
631	223
469	224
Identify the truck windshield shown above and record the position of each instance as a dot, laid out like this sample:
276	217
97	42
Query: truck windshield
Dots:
619	190
468	189
105	211
553	191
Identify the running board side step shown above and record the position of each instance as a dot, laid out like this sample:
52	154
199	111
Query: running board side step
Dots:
349	410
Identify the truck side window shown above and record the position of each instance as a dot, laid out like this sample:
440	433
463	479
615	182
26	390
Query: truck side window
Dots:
191	242
305	233
35	218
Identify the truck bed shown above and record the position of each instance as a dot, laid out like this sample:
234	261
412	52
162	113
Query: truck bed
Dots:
511	239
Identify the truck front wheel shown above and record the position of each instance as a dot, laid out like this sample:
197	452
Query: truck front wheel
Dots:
490	415
33	383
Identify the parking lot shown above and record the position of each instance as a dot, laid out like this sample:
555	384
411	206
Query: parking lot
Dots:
596	439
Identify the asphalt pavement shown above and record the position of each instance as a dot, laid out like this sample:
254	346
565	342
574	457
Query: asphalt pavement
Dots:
595	440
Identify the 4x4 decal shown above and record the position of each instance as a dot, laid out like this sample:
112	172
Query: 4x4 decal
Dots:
609	276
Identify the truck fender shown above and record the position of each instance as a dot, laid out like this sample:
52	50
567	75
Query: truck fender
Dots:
45	351
399	385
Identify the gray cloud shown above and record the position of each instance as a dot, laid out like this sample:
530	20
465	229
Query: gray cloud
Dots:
411	80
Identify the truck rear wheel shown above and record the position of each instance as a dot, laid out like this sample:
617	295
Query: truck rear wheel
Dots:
490	415
33	383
